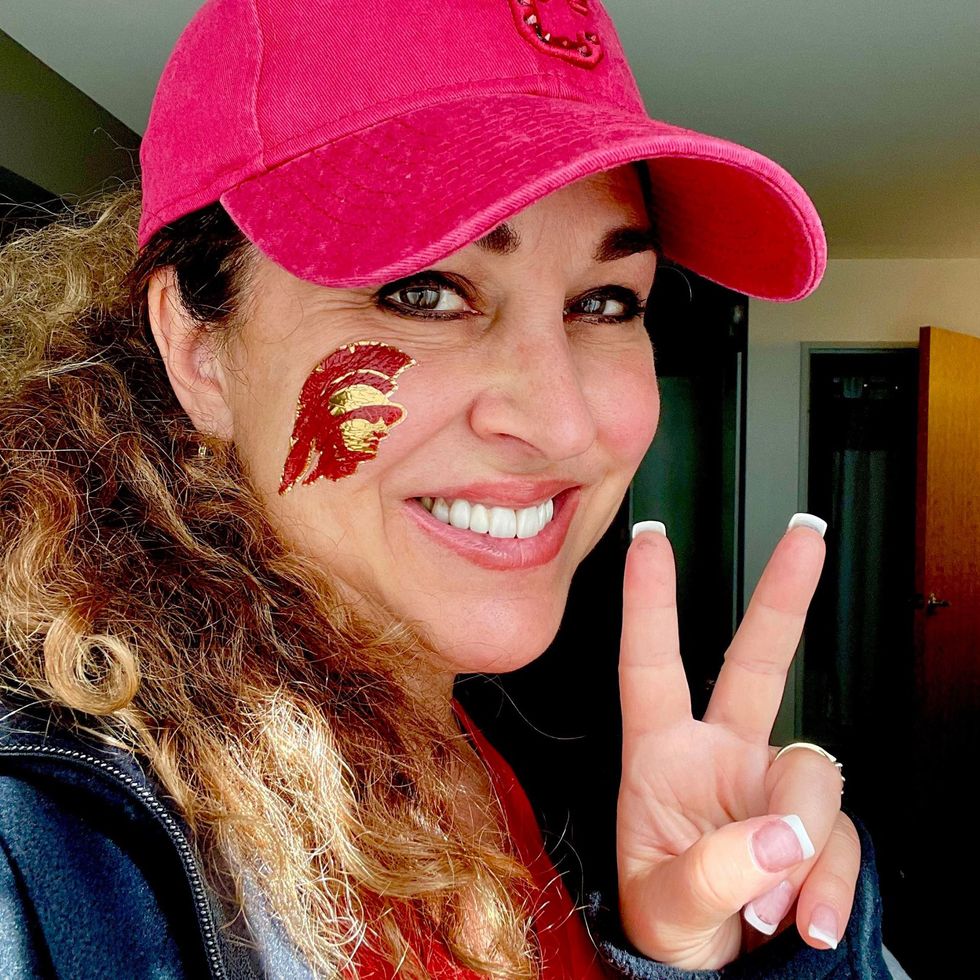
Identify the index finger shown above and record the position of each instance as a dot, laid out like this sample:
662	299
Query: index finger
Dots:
652	681
749	688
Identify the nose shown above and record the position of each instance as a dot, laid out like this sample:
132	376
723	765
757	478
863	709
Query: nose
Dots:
531	393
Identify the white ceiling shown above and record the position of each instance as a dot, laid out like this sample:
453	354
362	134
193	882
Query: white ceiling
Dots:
873	104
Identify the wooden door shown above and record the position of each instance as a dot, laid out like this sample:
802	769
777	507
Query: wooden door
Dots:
947	726
948	540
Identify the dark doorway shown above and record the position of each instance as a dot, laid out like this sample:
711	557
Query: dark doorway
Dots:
859	658
693	476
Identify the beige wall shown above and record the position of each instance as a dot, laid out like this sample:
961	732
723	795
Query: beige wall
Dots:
872	301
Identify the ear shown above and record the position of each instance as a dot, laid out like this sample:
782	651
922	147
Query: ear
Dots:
196	374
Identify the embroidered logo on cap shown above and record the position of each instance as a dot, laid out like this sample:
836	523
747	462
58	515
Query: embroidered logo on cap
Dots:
563	28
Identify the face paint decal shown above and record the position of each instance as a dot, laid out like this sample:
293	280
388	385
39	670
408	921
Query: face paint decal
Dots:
343	412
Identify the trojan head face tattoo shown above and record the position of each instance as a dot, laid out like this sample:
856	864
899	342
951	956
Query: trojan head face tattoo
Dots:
344	412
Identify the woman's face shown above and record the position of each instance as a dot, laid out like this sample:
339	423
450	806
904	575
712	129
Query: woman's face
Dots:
532	392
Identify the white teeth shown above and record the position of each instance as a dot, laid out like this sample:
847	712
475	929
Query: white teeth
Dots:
459	514
479	519
528	522
498	522
503	522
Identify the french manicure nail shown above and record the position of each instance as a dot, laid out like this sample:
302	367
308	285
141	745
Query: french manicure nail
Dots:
811	521
658	527
766	912
781	843
823	925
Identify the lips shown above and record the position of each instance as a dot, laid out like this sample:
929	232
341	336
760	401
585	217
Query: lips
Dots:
500	553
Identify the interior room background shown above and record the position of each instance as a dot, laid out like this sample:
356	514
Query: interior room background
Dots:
876	108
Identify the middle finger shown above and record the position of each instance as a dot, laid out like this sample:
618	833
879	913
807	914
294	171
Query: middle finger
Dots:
750	685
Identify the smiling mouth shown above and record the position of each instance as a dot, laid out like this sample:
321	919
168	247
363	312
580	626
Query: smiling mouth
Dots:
496	522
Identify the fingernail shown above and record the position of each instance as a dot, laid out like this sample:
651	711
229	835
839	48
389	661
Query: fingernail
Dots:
766	912
656	526
781	843
823	925
811	521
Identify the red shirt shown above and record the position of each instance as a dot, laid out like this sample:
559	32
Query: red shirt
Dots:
567	951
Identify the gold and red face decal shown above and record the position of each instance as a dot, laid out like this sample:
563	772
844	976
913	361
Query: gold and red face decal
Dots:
344	412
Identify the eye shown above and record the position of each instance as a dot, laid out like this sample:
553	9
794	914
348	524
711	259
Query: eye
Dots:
428	295
613	304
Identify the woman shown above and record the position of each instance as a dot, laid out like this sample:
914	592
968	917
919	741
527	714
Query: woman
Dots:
338	425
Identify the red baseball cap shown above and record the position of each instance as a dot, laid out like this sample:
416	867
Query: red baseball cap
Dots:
356	142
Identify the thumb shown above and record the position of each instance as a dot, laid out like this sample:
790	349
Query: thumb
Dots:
673	910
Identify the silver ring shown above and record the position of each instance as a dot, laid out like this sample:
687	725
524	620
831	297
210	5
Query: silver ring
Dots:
812	748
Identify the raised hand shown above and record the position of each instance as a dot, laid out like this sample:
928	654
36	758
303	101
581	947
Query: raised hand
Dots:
701	828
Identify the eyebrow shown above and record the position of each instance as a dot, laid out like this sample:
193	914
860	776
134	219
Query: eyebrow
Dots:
615	244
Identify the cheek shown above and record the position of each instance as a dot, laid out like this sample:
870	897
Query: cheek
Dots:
437	395
628	412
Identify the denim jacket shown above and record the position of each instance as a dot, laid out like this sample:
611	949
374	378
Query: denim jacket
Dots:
99	879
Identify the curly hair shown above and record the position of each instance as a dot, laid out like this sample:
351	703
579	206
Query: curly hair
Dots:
146	597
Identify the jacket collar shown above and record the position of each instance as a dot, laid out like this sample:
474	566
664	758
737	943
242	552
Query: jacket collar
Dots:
30	728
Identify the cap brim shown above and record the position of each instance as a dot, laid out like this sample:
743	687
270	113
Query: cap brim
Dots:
403	194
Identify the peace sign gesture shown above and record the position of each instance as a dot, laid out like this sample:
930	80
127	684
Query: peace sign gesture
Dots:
709	824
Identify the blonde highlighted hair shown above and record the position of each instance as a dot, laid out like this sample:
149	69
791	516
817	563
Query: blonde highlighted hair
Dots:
145	596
